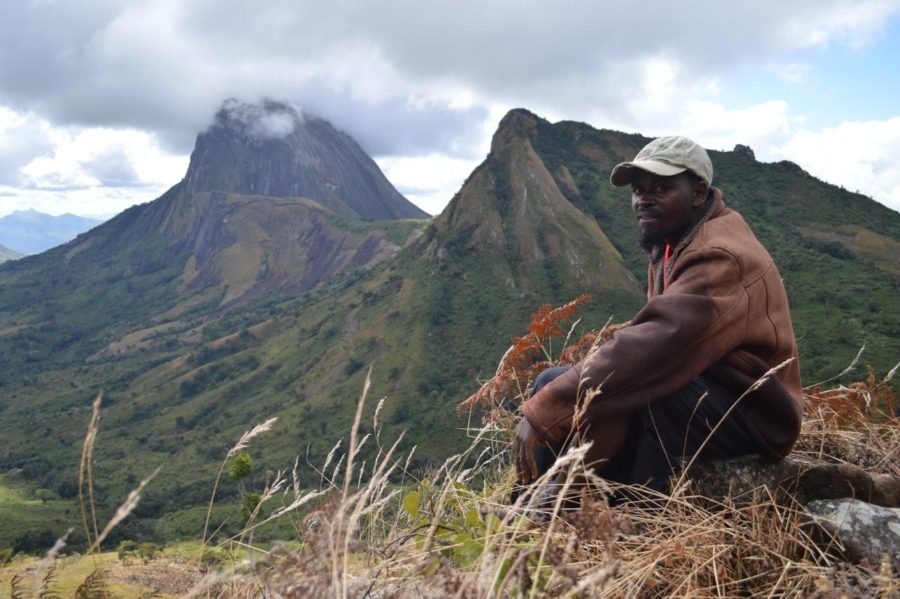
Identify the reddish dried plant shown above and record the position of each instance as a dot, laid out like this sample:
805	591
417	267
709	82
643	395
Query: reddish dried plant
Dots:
528	356
856	404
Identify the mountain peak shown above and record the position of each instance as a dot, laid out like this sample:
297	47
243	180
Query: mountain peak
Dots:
518	123
513	205
255	123
274	149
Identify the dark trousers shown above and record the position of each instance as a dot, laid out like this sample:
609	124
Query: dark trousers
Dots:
667	433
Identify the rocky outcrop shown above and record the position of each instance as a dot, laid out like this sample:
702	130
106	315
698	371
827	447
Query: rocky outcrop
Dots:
851	510
272	149
865	532
746	151
792	167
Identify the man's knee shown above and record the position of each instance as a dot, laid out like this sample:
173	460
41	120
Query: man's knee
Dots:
547	376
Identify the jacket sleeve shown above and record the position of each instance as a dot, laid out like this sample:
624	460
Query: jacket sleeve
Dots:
699	318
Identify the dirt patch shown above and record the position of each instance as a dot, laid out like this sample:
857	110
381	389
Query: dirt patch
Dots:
169	577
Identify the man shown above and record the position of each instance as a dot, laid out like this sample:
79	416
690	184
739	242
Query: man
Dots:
677	380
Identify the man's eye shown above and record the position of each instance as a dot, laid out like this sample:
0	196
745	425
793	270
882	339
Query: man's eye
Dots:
659	189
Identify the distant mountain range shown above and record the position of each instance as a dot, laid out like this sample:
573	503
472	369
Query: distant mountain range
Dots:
32	232
8	254
215	307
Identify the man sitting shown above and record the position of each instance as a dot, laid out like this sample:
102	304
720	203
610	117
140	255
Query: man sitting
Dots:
675	381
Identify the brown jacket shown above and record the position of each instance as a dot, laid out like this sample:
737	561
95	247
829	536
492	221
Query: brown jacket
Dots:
723	314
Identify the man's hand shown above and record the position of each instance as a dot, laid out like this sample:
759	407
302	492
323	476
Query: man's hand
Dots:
526	461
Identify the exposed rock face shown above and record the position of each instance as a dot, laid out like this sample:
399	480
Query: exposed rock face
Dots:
867	532
742	150
273	150
253	245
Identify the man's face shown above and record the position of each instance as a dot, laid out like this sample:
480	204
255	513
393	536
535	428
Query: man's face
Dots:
664	206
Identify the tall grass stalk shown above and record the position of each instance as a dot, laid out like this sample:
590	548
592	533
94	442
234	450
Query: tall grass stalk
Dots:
242	443
86	472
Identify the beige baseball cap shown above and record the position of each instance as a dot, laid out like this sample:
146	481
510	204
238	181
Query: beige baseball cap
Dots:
666	156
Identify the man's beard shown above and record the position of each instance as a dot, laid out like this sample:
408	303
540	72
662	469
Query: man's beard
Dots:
651	242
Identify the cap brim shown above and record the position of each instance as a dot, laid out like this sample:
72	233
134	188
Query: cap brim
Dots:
622	174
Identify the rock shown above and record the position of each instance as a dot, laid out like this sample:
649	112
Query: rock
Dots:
866	532
793	167
792	479
742	150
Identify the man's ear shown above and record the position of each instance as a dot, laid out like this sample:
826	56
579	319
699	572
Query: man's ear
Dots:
701	190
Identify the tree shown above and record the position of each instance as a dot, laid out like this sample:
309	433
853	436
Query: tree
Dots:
240	468
45	495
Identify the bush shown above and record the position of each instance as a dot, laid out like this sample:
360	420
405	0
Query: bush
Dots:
148	551
127	550
45	495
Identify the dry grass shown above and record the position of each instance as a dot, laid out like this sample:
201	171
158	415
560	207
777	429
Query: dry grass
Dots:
455	537
378	531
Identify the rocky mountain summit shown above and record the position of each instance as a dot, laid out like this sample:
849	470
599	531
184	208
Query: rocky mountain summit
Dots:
273	149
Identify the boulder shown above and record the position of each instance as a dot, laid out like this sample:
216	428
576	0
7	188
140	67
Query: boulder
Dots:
865	531
795	480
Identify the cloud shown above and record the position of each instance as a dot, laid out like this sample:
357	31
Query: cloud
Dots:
266	120
111	167
862	152
427	181
99	156
851	22
22	138
165	65
408	80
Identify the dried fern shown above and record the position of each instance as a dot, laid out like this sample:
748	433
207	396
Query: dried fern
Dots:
93	587
46	590
527	357
17	587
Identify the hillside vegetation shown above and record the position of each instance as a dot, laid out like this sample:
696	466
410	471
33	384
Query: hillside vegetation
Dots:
382	528
205	311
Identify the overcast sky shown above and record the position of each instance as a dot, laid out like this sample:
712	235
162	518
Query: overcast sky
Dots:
100	100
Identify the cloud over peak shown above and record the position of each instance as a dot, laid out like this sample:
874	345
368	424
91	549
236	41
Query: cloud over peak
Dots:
267	119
